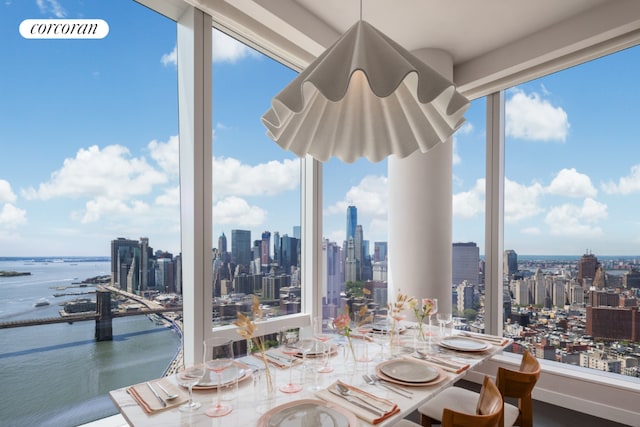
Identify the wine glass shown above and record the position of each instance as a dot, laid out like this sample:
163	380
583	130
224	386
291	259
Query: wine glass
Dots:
364	330
444	318
434	310
324	338
289	345
189	377
218	357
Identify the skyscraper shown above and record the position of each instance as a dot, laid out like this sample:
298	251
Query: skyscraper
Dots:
587	267
222	244
465	263
510	263
241	247
352	221
265	249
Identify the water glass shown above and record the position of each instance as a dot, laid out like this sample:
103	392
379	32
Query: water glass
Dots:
444	319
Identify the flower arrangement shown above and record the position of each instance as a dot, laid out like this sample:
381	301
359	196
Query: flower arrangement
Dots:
342	323
247	328
395	310
422	311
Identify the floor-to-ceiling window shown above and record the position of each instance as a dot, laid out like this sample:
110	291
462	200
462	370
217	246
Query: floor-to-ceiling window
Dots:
570	230
354	244
88	163
256	188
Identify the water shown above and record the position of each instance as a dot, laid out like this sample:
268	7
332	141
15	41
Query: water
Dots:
58	375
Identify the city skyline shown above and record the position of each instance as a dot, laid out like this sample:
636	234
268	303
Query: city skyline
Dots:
74	176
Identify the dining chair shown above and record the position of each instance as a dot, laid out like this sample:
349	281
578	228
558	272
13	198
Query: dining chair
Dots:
511	384
519	385
453	408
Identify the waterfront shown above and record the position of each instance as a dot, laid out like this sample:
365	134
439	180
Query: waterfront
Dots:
58	375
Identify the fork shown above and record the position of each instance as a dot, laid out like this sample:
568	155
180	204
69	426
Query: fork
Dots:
373	380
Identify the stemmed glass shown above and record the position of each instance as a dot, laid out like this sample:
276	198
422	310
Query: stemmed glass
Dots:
289	345
218	357
434	310
443	319
364	330
189	377
323	338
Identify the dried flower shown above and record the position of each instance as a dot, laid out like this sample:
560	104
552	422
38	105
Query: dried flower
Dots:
247	329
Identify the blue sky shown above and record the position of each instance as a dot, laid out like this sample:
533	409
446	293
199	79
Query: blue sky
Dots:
88	147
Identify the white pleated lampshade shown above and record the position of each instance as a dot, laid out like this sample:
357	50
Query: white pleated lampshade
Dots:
365	96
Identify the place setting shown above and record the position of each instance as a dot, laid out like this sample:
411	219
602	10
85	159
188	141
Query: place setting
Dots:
366	406
158	395
410	372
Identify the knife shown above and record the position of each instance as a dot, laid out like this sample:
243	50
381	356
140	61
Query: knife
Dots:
354	402
164	404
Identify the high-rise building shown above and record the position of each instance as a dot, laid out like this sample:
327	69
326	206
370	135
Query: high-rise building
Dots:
296	232
465	263
510	262
222	244
379	251
241	247
352	221
465	293
265	249
289	249
333	279
359	251
587	267
122	258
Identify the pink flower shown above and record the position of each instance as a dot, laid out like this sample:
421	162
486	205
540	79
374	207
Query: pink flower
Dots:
427	306
342	322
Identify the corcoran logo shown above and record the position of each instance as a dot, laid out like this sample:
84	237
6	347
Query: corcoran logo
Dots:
64	29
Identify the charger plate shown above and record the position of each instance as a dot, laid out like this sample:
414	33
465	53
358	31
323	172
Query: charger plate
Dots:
308	412
423	371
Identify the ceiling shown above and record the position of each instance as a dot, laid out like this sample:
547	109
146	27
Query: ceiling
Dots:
492	43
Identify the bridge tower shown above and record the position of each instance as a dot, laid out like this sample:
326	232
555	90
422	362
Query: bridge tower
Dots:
104	329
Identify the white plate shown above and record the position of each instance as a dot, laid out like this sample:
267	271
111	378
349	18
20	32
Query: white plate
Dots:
308	412
229	375
409	371
463	344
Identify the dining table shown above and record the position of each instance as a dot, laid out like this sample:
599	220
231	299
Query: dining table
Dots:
406	378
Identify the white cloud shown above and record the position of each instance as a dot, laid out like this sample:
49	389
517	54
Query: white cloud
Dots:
521	201
170	58
51	7
570	183
224	49
532	231
468	204
235	210
528	116
465	129
574	220
94	173
228	49
11	216
6	194
626	184
230	176
370	196
170	197
166	154
100	207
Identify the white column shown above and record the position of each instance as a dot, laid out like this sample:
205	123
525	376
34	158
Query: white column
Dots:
494	216
420	209
194	101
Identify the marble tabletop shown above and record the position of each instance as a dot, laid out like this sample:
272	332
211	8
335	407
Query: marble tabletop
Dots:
249	401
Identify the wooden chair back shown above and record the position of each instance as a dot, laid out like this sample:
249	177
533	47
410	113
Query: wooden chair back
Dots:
488	411
519	385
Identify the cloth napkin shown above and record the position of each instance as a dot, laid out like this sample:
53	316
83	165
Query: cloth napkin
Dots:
387	407
150	403
488	338
278	358
445	365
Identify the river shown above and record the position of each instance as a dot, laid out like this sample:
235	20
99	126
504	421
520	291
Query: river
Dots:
58	375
